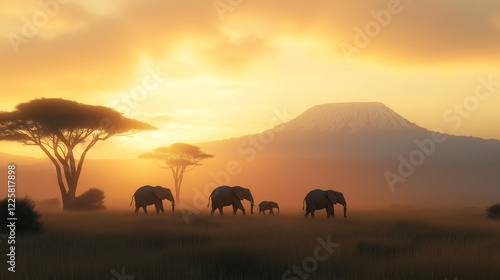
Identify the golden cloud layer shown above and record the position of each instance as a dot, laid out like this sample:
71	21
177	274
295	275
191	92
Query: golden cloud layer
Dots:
81	51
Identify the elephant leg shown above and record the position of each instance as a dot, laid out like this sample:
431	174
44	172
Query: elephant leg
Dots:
137	209
235	208
160	209
145	210
307	213
271	212
220	211
312	213
237	205
158	206
329	211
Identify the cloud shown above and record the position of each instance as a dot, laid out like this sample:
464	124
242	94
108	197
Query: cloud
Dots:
95	57
158	118
230	56
100	53
83	53
185	118
424	32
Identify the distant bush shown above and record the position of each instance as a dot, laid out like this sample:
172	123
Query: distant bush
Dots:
49	204
93	199
494	211
28	219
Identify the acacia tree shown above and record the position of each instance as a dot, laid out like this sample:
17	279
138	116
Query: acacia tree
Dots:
58	126
178	157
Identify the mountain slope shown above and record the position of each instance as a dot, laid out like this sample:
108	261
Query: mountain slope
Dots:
349	117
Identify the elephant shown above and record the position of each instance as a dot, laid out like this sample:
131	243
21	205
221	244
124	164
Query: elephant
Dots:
268	205
225	196
148	195
320	199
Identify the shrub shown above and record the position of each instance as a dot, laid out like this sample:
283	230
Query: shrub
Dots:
93	199
49	204
494	211
28	219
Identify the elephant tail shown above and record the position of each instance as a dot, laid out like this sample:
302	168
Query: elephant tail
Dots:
303	203
132	200
208	205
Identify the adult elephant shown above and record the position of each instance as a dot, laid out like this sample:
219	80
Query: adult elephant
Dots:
268	205
148	195
320	199
225	196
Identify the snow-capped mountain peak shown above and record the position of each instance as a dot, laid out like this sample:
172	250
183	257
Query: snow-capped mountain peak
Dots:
347	117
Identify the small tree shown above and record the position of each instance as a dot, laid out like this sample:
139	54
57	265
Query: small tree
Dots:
58	126
494	211
178	157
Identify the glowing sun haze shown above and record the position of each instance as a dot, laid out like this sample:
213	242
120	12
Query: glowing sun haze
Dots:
201	72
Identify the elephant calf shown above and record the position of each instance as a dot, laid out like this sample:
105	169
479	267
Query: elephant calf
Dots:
320	199
148	195
268	205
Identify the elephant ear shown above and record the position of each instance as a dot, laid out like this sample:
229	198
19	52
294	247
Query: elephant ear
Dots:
238	191
332	197
159	192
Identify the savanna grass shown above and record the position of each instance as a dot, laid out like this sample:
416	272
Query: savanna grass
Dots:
373	245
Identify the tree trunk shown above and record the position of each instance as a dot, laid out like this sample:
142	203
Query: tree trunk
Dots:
69	196
177	191
66	196
179	183
66	200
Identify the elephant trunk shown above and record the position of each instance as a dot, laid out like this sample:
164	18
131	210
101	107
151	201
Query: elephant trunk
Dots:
249	197
345	210
173	203
277	207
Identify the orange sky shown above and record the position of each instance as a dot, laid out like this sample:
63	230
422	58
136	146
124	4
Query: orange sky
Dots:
202	73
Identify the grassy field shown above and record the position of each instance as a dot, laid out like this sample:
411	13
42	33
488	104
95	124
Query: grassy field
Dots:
372	245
